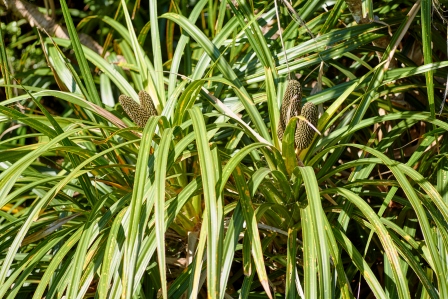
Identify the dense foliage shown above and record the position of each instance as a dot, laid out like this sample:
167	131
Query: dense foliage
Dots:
205	201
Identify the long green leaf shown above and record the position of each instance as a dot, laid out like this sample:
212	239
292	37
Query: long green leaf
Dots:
209	184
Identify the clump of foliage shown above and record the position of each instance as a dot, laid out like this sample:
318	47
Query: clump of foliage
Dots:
204	200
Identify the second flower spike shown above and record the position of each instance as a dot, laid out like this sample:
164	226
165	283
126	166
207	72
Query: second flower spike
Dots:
304	132
291	106
139	113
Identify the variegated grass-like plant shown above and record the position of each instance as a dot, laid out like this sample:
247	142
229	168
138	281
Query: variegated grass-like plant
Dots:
207	203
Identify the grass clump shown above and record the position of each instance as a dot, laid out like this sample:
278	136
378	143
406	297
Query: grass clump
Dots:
185	189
